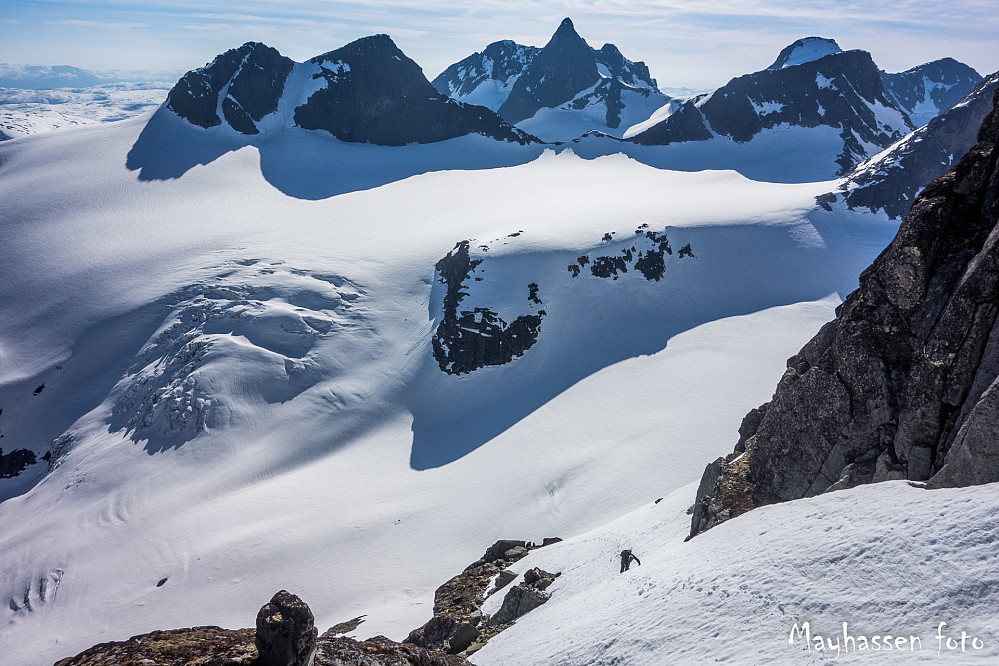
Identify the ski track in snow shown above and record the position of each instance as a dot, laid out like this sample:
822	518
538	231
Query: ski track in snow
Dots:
237	366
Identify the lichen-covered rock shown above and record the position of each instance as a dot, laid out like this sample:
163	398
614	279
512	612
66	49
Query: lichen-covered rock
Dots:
457	622
198	646
336	650
286	632
902	382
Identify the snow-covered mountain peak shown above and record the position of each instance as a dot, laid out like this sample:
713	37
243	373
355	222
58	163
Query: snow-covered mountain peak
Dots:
558	92
805	50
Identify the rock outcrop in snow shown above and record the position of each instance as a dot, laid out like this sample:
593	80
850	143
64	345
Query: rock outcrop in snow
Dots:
891	180
904	383
468	339
286	633
458	625
284	636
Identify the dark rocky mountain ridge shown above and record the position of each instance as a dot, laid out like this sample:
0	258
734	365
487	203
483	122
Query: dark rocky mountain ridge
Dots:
904	383
370	93
500	61
814	83
841	90
550	77
938	85
892	180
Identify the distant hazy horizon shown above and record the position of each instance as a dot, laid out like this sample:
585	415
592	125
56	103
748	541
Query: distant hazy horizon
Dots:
684	42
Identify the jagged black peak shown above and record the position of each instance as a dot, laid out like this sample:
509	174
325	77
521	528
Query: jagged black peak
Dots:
253	92
377	67
374	93
566	30
804	42
565	66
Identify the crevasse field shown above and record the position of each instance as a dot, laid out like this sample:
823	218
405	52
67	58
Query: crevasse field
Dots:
235	346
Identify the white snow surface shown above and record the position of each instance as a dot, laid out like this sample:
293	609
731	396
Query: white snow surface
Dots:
783	153
886	559
565	122
810	49
234	340
24	112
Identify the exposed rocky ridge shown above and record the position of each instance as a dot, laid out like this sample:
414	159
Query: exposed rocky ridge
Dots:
458	625
929	89
367	91
285	636
892	180
500	61
250	80
840	90
567	73
904	383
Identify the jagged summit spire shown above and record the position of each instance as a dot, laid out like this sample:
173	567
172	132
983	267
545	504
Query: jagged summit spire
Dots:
566	32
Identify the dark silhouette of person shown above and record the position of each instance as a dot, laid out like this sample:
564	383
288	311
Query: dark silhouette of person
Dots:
626	558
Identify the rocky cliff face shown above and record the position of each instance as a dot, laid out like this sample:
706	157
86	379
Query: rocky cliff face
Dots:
904	383
500	62
373	93
839	90
250	80
892	180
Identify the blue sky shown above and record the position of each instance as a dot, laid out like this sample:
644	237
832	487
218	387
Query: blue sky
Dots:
695	43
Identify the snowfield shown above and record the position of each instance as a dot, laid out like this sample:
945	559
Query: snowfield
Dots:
234	338
890	561
25	112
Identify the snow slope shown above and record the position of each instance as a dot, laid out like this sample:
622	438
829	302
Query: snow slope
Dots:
239	384
886	559
781	154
